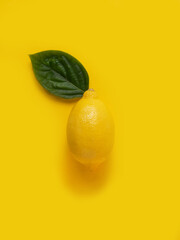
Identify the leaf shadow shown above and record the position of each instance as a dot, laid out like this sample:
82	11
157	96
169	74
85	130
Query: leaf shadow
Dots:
83	180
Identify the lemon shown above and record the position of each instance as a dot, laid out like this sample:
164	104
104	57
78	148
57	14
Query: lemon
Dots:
90	130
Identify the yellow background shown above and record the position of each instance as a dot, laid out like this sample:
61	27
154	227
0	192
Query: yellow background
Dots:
131	50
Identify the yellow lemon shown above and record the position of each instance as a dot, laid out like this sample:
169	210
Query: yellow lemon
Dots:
90	130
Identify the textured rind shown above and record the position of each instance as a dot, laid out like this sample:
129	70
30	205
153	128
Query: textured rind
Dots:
90	131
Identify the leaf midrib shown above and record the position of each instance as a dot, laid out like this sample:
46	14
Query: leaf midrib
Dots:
50	69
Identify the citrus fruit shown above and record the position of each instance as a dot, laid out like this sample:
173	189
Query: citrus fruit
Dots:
90	130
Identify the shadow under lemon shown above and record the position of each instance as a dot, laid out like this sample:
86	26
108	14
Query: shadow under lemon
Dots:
82	179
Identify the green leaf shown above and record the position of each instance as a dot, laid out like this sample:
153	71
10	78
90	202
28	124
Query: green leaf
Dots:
60	73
